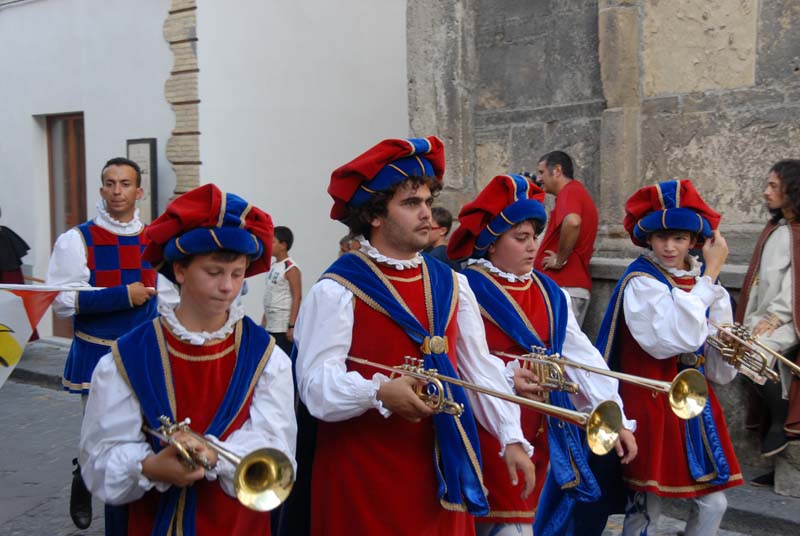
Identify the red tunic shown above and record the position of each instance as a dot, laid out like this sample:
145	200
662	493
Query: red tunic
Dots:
662	466
505	503
200	377
374	475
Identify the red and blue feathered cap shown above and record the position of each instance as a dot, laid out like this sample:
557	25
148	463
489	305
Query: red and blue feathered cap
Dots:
669	205
381	167
205	220
506	201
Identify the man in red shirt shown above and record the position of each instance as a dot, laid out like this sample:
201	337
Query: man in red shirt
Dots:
568	241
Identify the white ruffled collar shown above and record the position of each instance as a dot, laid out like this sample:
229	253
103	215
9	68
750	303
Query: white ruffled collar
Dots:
167	311
694	265
511	278
104	220
400	264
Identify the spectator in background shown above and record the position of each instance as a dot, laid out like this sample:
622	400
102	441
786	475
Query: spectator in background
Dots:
347	244
768	307
443	222
12	249
568	242
282	292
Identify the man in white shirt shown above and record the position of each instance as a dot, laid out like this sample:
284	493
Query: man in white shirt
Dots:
103	252
377	438
769	301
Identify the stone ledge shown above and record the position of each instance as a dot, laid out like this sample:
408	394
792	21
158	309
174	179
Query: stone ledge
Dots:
787	471
561	112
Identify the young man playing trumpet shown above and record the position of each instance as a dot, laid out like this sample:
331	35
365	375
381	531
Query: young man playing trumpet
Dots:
522	309
384	462
203	360
655	326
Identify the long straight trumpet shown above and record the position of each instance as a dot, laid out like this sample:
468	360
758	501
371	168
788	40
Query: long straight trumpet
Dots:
602	425
746	351
687	393
263	478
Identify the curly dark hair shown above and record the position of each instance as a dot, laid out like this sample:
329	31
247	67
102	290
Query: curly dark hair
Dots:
788	171
359	219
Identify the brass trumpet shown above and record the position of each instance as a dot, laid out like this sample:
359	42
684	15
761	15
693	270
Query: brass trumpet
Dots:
263	478
602	425
687	393
746	352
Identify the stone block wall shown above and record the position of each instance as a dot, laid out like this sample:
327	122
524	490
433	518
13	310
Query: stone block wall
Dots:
181	91
636	91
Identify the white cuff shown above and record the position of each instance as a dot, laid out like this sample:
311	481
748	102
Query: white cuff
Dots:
379	379
144	483
509	434
508	372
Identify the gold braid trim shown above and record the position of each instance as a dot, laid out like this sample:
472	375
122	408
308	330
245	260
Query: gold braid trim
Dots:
638	484
262	363
615	316
484	272
162	347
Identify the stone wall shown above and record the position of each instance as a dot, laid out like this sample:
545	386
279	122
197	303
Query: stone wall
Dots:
636	91
181	91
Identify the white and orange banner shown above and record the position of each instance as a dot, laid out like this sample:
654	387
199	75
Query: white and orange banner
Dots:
21	309
20	312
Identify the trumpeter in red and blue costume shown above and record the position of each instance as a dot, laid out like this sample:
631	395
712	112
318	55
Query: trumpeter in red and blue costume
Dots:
376	472
523	309
232	382
656	326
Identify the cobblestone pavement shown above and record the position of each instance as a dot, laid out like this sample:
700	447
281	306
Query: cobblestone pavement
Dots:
41	428
667	526
41	437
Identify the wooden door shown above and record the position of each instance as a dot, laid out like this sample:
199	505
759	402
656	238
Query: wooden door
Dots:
67	165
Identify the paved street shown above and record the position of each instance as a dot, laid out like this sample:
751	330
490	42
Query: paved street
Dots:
41	438
41	428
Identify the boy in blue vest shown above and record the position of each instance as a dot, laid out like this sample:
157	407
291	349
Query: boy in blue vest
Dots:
203	360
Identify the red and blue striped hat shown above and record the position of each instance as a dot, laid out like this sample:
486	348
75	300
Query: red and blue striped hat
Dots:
205	220
670	205
506	201
384	165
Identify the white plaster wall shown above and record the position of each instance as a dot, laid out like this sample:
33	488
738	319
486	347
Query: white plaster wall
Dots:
289	91
107	59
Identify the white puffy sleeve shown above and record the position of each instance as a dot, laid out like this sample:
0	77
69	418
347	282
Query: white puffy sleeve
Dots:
477	365
112	445
666	322
594	388
67	268
271	424
323	333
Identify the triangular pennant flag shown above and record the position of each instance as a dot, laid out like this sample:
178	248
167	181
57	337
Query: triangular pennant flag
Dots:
36	303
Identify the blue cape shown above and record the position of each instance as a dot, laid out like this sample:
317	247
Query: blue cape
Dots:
457	460
569	479
707	461
142	356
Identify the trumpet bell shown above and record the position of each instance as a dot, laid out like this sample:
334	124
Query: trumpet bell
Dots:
263	479
603	426
688	394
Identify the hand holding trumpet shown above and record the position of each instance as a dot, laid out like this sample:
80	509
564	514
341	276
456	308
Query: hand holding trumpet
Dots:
398	396
168	466
527	384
